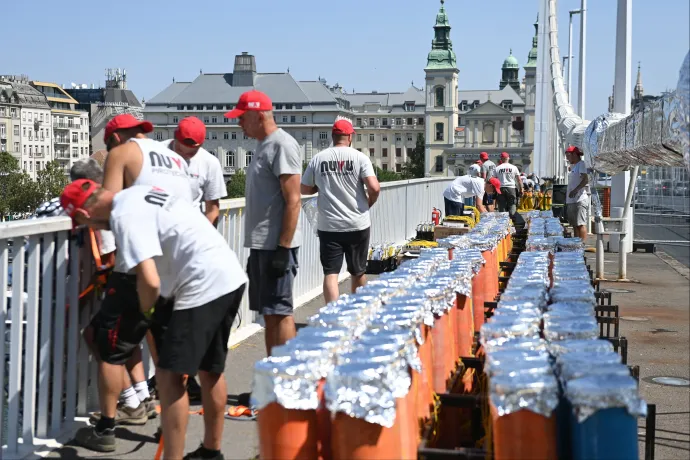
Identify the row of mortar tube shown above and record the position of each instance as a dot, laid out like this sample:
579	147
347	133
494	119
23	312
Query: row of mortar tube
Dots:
316	434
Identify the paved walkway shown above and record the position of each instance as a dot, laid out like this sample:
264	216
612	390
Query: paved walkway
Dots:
655	319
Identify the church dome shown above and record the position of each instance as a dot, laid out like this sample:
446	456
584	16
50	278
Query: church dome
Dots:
511	62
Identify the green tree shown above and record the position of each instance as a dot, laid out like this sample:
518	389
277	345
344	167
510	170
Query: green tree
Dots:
385	176
18	192
235	186
414	167
51	180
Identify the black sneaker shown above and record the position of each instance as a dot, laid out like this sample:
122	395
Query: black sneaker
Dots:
152	386
198	455
91	439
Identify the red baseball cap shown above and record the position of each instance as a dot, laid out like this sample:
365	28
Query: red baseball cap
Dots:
75	195
496	183
191	128
343	127
251	100
125	121
484	156
504	155
574	149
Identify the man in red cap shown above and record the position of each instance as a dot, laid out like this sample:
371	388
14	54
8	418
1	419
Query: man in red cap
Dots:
172	250
272	219
204	168
511	185
488	166
578	194
348	188
133	159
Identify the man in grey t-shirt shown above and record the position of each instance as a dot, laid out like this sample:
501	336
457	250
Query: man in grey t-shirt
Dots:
272	219
339	175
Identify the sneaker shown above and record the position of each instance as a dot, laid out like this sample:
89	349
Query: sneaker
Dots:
198	455
150	406
125	415
100	442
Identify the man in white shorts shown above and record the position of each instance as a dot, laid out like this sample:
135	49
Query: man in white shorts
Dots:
204	168
340	174
578	194
179	257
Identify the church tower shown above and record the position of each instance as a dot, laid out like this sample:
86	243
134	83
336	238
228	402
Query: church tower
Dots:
638	99
531	88
509	73
441	97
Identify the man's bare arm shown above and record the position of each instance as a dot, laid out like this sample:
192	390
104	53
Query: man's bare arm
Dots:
290	187
114	170
307	190
148	284
373	189
212	210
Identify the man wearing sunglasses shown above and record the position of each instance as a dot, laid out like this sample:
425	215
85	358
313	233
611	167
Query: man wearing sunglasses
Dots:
133	159
204	168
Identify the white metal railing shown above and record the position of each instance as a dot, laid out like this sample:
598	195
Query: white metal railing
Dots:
49	378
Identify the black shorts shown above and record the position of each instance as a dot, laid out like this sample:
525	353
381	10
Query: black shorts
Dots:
119	326
353	245
195	339
269	295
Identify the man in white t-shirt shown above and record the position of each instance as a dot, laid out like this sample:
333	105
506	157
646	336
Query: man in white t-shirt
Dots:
511	185
178	256
577	198
340	174
475	170
204	168
463	187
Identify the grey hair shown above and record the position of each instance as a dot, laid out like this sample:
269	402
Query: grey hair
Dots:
86	169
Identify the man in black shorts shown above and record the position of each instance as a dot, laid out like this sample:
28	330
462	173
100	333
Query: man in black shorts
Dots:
174	252
339	174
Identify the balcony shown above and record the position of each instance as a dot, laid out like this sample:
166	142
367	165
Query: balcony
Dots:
59	125
61	140
51	270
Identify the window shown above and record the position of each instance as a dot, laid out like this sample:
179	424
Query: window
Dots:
409	106
398	137
190	107
41	117
278	106
214	120
226	120
43	150
304	135
75	137
440	96
371	138
384	138
323	135
293	119
226	135
488	133
244	136
304	119
398	168
460	121
248	157
384	166
285	118
24	131
409	138
359	137
206	120
214	135
475	103
81	150
24	148
410	121
372	152
23	116
230	158
359	121
16	147
16	130
29	116
207	135
439	131
75	152
398	121
409	151
463	106
200	107
439	163
180	107
384	121
371	122
384	152
3	129
288	106
159	136
233	135
209	107
398	152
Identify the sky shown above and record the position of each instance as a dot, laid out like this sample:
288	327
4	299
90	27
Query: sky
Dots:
363	45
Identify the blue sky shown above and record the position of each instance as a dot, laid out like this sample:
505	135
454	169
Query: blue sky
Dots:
363	45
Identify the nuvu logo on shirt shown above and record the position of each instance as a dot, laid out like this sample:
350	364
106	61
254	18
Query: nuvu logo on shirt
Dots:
165	161
337	167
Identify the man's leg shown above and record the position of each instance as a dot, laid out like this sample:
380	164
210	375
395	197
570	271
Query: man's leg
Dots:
357	281
214	395
331	290
174	412
110	380
356	255
331	255
279	329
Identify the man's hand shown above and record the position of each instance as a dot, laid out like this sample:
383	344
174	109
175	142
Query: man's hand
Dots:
280	262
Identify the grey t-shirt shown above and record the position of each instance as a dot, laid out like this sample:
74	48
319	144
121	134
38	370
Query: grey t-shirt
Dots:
277	154
488	169
339	173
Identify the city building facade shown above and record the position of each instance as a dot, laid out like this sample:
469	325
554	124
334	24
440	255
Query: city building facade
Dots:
70	127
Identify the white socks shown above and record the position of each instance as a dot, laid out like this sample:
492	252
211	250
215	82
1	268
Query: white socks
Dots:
142	389
129	398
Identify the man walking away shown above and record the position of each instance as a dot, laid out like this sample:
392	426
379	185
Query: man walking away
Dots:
488	166
176	254
463	187
339	174
272	222
509	177
577	200
204	168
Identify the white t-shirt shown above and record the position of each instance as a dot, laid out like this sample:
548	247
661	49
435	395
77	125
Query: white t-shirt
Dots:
206	176
195	264
574	180
107	242
465	187
339	173
474	170
507	174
